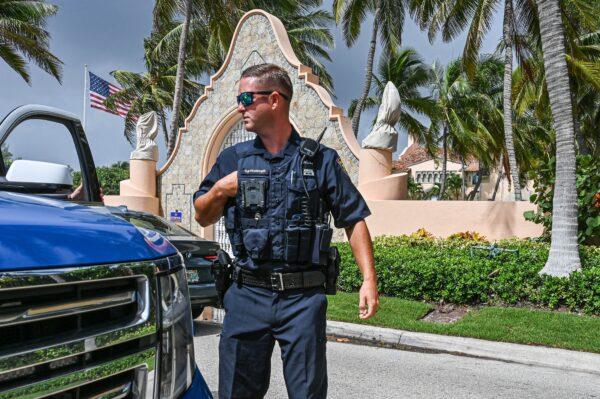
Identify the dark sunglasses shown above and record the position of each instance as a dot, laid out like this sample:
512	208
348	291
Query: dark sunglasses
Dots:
247	98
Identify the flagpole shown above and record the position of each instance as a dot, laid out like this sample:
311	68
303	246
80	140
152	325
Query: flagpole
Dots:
85	84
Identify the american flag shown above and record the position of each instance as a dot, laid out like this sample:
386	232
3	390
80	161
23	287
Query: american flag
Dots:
99	90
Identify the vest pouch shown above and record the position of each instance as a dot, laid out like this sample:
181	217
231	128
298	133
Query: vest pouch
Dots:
297	244
235	236
291	244
321	244
255	242
304	244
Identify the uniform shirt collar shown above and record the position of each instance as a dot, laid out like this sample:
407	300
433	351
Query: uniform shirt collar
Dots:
290	148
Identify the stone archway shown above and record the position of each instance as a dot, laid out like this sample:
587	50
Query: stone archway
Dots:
259	37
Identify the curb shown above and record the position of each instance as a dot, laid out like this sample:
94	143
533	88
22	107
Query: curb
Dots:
561	359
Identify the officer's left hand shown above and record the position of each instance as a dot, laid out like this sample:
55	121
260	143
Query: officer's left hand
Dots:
368	300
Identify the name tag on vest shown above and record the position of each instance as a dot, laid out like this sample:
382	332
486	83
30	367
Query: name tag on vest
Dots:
308	172
255	171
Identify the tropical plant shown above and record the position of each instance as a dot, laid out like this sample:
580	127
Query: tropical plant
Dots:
109	177
23	37
564	251
588	194
406	70
583	60
164	11
451	18
454	185
152	90
414	190
7	156
388	23
463	113
210	27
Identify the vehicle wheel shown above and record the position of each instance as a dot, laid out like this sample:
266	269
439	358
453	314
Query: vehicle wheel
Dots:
196	312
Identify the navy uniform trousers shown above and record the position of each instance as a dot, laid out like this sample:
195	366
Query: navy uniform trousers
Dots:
257	317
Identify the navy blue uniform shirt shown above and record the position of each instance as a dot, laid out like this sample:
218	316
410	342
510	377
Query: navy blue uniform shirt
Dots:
341	197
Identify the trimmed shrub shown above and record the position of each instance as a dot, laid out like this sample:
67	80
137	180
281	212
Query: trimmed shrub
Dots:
459	271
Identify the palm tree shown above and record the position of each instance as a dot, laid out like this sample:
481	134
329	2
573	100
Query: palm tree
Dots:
207	28
564	251
152	90
388	22
164	11
583	61
459	123
23	37
452	17
406	69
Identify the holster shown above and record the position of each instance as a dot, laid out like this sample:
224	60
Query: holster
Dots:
332	271
222	270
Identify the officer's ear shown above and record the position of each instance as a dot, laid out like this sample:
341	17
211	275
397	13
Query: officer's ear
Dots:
276	100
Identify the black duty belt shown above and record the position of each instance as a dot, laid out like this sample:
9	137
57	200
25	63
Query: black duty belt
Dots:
283	281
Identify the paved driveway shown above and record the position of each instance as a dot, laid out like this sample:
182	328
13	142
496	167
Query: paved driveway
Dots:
373	373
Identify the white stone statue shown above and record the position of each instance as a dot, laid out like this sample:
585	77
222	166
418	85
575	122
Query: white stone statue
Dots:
146	130
384	135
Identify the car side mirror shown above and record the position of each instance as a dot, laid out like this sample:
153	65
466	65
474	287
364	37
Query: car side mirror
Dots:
25	171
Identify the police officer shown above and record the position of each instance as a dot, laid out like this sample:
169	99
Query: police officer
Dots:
276	196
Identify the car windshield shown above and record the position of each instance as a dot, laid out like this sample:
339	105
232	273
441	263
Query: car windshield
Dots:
157	224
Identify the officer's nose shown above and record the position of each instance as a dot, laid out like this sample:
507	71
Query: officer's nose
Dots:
240	108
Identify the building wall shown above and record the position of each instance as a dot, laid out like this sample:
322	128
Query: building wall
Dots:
493	219
505	192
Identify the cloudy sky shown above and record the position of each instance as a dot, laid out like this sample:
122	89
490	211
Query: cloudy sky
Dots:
108	35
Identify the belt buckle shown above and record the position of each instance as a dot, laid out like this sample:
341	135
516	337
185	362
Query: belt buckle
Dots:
277	281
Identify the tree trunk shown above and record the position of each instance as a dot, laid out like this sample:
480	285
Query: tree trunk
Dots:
564	251
499	178
463	184
444	163
369	72
507	98
179	77
163	123
472	194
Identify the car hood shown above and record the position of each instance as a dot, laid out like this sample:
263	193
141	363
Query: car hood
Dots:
37	232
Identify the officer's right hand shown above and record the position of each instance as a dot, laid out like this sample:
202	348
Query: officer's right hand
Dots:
228	185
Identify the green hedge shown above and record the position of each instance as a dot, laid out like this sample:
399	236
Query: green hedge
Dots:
444	270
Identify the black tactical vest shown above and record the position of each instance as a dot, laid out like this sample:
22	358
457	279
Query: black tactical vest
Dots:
278	216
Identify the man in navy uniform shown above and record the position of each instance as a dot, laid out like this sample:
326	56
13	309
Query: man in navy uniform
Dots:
276	199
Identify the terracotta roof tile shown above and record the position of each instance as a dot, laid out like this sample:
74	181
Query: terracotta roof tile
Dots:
415	154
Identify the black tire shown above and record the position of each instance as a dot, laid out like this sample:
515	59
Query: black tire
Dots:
197	311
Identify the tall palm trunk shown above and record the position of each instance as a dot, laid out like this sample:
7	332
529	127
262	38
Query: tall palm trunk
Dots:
507	98
369	71
463	183
163	124
444	163
564	251
499	178
179	77
473	193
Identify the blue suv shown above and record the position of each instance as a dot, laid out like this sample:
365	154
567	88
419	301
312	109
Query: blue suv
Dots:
90	305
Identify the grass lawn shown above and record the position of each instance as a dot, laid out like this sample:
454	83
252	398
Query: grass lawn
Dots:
519	325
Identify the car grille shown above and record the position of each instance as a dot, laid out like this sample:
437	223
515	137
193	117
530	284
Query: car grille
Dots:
79	332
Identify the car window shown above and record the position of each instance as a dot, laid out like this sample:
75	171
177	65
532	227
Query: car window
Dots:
41	151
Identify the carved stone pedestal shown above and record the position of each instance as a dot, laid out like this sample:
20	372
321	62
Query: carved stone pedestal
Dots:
138	193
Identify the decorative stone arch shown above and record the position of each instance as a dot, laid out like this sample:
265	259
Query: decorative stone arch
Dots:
259	37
